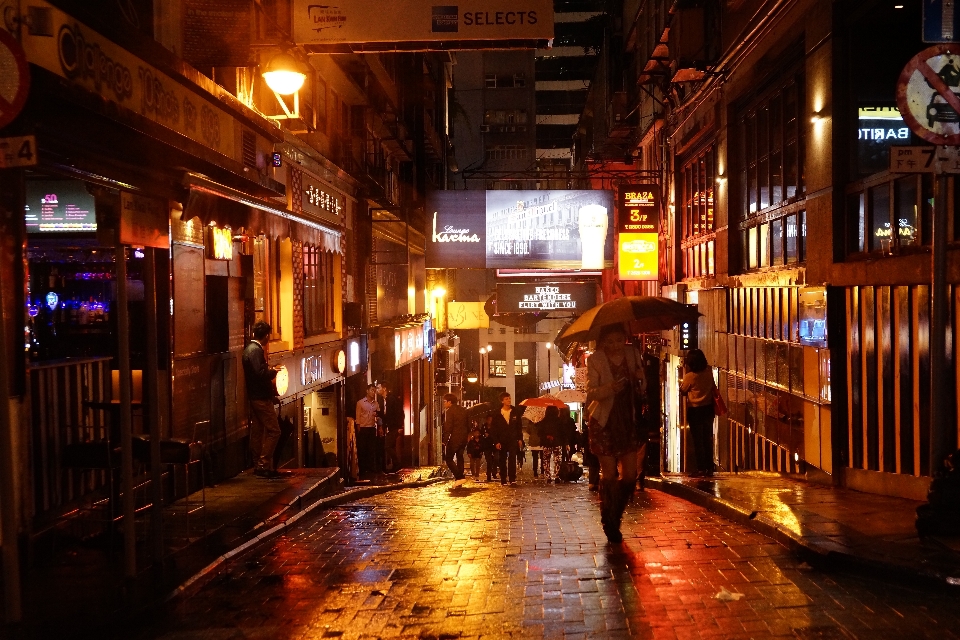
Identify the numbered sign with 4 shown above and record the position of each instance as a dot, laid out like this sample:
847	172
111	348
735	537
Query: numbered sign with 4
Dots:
20	151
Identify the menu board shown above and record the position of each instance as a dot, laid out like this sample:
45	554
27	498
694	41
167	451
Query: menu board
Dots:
56	206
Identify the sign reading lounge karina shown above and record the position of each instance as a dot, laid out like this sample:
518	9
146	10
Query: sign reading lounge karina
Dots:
561	229
530	297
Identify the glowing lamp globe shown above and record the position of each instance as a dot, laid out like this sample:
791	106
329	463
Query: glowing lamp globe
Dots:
283	75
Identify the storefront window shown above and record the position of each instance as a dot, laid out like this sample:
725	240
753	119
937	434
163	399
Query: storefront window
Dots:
521	367
261	279
319	291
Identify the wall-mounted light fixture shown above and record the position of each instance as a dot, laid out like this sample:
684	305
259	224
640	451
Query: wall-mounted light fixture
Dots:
818	117
285	76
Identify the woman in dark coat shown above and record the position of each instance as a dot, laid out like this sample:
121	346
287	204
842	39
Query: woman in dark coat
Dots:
614	378
549	431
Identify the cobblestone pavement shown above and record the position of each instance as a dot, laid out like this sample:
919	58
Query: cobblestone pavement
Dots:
531	561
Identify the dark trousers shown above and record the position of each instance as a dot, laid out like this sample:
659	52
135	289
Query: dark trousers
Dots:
367	442
700	420
454	460
264	433
492	458
508	464
535	458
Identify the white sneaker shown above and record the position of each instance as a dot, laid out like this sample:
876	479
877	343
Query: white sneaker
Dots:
459	483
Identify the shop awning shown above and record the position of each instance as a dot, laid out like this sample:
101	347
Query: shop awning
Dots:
216	203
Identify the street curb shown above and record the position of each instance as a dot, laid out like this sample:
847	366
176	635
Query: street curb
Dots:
820	555
197	580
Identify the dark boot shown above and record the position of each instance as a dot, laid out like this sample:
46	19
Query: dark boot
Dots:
610	511
624	494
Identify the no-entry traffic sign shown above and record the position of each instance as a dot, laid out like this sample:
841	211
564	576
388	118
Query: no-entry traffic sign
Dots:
928	94
14	78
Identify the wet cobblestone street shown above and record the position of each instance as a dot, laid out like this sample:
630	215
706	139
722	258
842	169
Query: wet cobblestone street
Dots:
531	561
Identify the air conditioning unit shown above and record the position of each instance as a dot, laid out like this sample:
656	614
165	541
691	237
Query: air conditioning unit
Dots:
484	128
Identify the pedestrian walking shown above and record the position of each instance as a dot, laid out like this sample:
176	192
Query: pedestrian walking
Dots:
261	393
507	435
366	422
456	432
567	435
699	388
475	451
614	378
490	454
533	444
550	440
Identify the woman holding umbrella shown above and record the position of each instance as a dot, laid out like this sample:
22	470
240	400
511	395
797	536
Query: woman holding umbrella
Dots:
614	376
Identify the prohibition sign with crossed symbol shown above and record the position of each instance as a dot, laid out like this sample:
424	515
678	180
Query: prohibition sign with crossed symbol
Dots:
14	78
928	94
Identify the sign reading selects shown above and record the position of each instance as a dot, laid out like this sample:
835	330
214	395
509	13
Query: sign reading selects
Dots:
520	229
430	25
530	297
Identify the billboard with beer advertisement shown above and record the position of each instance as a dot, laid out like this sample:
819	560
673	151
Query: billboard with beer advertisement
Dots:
638	224
533	229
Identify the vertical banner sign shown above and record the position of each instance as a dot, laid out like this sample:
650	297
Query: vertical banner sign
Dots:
638	223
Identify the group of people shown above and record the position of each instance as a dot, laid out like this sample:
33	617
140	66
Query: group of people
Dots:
379	430
499	442
617	429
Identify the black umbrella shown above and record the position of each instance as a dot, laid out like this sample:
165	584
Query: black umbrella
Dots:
642	314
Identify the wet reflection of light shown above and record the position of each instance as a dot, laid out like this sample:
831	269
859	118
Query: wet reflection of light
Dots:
774	508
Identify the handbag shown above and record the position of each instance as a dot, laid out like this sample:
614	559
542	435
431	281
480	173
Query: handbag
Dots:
719	406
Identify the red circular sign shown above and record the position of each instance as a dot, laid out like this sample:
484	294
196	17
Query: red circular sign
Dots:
14	78
928	94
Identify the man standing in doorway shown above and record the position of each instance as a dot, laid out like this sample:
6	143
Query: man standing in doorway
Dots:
367	411
391	409
261	391
456	432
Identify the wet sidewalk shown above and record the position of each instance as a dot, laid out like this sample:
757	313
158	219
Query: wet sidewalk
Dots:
832	526
72	583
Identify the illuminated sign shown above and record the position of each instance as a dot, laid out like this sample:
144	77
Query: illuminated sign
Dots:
523	229
59	205
407	345
878	128
639	256
689	338
318	198
144	222
52	300
531	297
311	370
424	24
282	380
221	243
639	208
340	364
467	315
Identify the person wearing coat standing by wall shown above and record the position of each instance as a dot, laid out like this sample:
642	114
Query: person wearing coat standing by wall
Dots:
698	387
456	432
261	391
506	431
391	411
